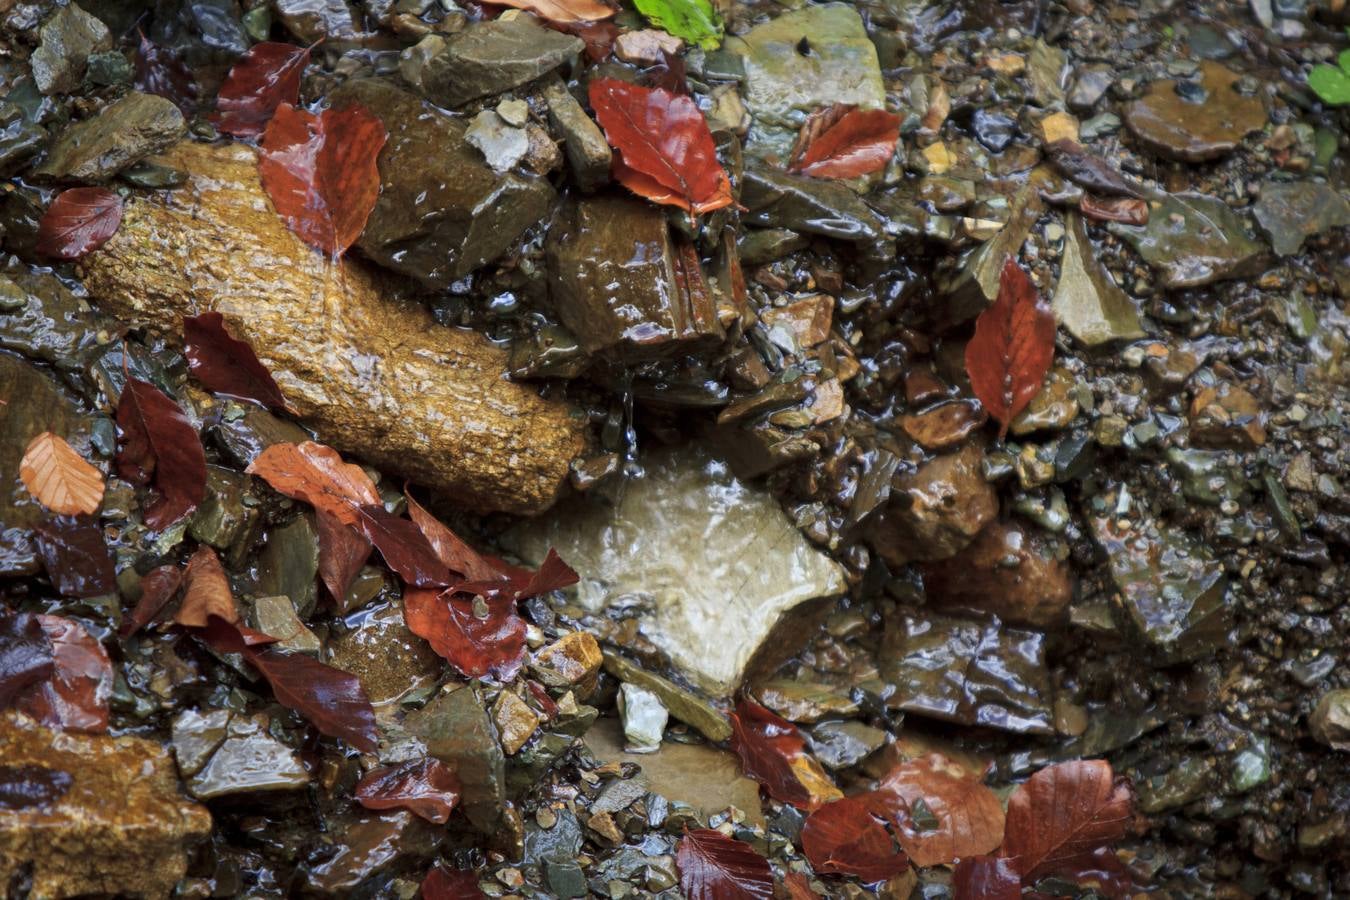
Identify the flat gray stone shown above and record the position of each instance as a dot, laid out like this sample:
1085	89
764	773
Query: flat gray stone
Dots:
1087	302
67	40
1193	240
1288	212
488	58
137	126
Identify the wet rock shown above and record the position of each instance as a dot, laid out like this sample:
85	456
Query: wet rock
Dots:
121	827
654	545
702	776
1227	416
1173	593
373	375
502	145
573	659
804	702
245	430
644	718
21	132
1330	720
388	658
31	403
944	425
841	745
783	84
123	133
1288	212
276	616
1091	83
1008	571
442	212
1184	781
994	130
44	321
682	703
196	735
1047	67
1053	407
315	20
936	510
68	38
515	721
369	845
971	673
223	519
1194	240
490	57
248	760
458	731
1168	124
289	563
613	281
777	199
588	153
808	320
1087	301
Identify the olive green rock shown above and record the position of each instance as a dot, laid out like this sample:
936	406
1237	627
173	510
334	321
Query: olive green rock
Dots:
491	57
43	320
458	731
123	133
1194	240
289	563
588	152
1289	212
777	199
1087	302
683	704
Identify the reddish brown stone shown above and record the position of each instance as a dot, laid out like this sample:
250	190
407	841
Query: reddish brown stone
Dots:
1009	571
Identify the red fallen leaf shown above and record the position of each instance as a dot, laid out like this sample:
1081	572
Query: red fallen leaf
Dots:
160	71
321	174
425	787
543	701
842	141
986	878
451	884
159	444
332	700
75	697
157	588
599	37
715	867
25	655
665	150
225	365
773	752
969	815
79	220
564	11
521	584
342	553
670	74
799	887
404	548
1061	815
452	550
75	556
206	591
317	475
474	646
1012	348
846	837
1129	210
265	77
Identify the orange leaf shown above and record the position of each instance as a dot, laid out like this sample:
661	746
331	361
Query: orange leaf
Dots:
76	696
317	475
666	152
1063	814
1013	346
773	752
206	592
843	141
564	11
59	478
969	816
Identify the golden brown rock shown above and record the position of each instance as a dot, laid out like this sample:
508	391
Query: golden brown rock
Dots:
111	822
374	376
937	510
1007	570
572	659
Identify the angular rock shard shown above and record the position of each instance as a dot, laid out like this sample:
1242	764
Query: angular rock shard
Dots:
374	376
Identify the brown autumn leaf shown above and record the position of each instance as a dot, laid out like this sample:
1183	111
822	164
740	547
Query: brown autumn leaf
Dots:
715	867
1060	816
1013	346
799	887
265	77
773	752
76	695
206	591
158	587
226	365
79	220
317	475
563	11
842	141
475	645
160	446
969	816
453	551
342	552
986	878
1129	210
59	478
425	787
665	150
846	837
403	546
451	884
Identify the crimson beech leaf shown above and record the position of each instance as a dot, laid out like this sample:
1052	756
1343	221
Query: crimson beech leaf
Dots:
226	365
1059	817
451	884
404	548
425	787
969	815
842	141
1012	348
452	550
160	71
79	220
76	556
715	867
160	445
342	553
25	655
332	700
75	696
320	171
986	878
494	644
521	584
265	77
158	587
665	150
773	752
846	837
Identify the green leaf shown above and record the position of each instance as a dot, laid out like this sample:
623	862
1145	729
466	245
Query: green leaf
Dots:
694	20
1331	84
1344	61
